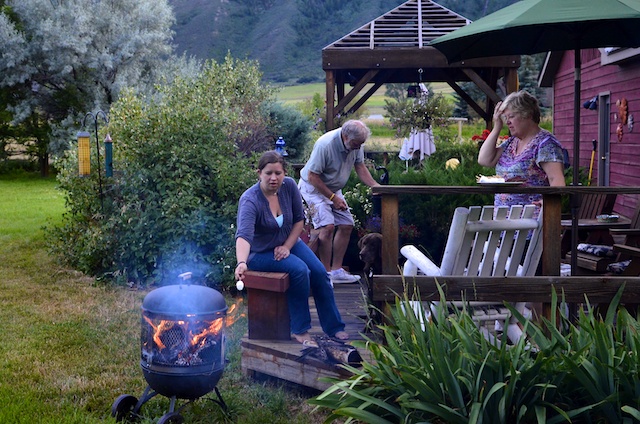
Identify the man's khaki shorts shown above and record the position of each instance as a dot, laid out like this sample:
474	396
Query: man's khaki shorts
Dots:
321	208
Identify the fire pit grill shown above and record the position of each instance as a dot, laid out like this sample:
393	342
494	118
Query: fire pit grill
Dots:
182	348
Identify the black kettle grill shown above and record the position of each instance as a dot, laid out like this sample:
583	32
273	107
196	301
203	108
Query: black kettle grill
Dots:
182	348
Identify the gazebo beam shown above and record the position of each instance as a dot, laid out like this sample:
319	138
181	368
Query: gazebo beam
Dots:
362	82
463	94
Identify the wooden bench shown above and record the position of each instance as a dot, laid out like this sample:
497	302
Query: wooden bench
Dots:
267	308
593	263
625	231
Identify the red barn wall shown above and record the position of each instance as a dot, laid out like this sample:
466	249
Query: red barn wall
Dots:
622	82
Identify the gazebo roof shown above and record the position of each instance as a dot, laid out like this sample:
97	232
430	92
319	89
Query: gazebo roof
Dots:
412	24
394	48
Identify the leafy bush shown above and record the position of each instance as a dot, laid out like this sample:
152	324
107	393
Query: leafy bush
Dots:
292	126
179	171
316	110
11	166
447	371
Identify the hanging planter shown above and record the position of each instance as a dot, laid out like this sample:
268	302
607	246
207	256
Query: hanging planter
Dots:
417	114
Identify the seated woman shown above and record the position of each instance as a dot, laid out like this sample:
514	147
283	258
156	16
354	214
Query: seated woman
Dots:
270	221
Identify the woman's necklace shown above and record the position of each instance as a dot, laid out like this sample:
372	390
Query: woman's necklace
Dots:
274	203
268	194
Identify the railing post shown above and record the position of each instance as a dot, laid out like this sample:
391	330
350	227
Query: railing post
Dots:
390	229
551	233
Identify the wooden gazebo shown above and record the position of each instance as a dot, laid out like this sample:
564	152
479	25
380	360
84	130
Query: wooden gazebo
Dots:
393	48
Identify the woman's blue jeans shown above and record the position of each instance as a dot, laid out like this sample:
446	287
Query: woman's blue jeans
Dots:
306	273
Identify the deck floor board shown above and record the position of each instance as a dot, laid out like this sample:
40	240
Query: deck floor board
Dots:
282	359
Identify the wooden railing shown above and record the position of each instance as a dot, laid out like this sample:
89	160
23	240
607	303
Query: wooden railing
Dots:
534	289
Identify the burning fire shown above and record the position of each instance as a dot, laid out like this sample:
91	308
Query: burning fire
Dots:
188	327
233	314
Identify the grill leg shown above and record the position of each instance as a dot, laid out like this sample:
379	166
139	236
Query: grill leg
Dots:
146	395
172	404
220	401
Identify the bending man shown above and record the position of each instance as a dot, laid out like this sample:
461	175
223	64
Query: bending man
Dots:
333	157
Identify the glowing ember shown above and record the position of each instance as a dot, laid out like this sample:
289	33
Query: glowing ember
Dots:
189	340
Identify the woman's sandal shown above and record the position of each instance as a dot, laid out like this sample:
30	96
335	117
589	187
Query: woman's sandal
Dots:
305	339
341	335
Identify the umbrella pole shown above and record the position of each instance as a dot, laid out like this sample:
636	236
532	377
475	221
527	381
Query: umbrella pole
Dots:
575	204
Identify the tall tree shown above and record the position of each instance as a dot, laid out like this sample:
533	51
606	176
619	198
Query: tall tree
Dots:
62	58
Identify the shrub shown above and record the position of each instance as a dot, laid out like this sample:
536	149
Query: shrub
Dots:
179	172
292	125
11	166
447	371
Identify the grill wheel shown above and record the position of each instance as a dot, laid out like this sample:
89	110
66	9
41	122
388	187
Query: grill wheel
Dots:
171	418
122	408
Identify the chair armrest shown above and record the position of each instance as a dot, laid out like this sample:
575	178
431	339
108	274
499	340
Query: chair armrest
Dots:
625	231
416	260
627	250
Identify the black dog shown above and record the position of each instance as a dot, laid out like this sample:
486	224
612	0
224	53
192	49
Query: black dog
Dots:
371	253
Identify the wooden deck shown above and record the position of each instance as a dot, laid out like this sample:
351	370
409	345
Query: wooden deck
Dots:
281	359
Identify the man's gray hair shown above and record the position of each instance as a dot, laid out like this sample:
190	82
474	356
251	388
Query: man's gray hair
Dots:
356	130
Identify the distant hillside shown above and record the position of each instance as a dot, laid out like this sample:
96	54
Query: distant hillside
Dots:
286	37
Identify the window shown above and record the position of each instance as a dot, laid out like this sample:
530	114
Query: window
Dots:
617	55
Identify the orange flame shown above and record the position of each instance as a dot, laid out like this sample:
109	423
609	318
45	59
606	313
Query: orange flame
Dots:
233	314
214	327
162	326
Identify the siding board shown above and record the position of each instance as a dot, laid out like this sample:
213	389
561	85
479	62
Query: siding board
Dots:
621	81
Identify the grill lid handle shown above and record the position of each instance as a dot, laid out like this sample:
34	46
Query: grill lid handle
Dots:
185	277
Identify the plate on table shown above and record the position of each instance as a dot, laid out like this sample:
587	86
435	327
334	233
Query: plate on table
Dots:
498	181
506	183
608	218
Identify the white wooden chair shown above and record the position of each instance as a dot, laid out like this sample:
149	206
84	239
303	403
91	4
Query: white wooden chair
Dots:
478	233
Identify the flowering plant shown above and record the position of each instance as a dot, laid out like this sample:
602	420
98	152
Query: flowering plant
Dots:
408	231
482	137
485	134
359	199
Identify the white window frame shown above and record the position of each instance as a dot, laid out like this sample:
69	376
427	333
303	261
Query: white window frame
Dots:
617	55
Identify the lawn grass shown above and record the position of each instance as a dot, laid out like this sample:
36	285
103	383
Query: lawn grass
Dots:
373	106
383	136
71	346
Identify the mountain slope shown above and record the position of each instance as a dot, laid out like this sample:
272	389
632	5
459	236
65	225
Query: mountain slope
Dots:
286	37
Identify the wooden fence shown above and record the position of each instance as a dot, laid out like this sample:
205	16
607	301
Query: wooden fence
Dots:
598	289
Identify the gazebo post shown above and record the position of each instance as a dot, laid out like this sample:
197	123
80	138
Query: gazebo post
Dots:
330	93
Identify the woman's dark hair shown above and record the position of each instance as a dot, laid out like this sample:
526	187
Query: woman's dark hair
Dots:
271	156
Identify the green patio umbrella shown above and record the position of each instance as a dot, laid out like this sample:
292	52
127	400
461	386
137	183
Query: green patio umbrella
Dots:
535	26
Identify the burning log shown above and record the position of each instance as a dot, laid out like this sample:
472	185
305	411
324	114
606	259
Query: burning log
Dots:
332	352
